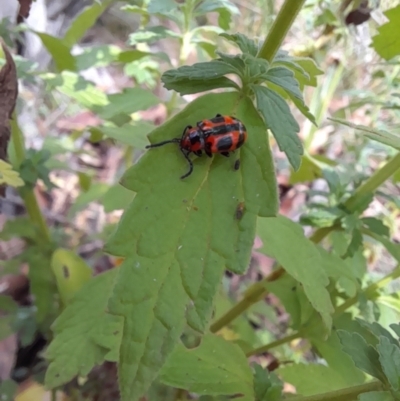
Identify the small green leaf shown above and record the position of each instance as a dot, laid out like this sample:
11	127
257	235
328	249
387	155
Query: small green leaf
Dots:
225	8
377	226
365	356
78	88
322	217
215	367
389	356
84	334
309	66
61	53
151	35
199	77
161	6
8	176
385	43
280	121
385	137
128	102
267	386
284	78
378	331
19	227
303	261
85	20
98	56
246	45
356	243
132	134
71	273
376	396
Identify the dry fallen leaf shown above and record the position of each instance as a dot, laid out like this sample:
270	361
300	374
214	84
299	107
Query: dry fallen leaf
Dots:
8	97
24	9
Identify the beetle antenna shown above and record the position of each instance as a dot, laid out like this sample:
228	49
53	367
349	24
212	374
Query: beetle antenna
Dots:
155	145
190	164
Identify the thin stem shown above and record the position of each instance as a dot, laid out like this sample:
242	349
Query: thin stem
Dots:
375	181
274	344
345	394
27	195
280	28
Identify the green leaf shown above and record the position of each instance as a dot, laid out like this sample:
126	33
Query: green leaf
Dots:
225	8
34	168
71	273
280	121
309	66
151	35
385	43
8	176
284	240
215	367
284	79
84	21
267	386
128	102
164	280
19	227
84	334
385	137
322	217
365	356
199	77
132	134
98	56
61	53
389	356
376	396
78	88
377	226
245	44
312	379
161	6
8	390
338	269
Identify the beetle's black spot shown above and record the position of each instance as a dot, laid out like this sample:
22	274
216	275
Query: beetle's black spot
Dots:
224	143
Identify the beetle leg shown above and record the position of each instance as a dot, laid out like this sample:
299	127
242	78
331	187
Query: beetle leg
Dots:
198	153
226	154
186	128
208	152
186	154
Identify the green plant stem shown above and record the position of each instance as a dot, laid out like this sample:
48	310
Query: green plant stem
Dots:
273	344
345	394
258	290
27	195
375	181
280	28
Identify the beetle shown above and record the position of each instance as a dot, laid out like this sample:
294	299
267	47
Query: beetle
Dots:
220	134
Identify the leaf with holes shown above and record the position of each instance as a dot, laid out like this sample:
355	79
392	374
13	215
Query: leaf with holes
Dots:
178	236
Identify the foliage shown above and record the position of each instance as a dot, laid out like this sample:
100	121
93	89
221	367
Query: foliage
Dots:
162	315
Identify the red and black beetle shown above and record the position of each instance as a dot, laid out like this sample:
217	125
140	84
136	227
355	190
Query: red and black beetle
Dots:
221	134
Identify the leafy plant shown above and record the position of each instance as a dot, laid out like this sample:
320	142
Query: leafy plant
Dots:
153	313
